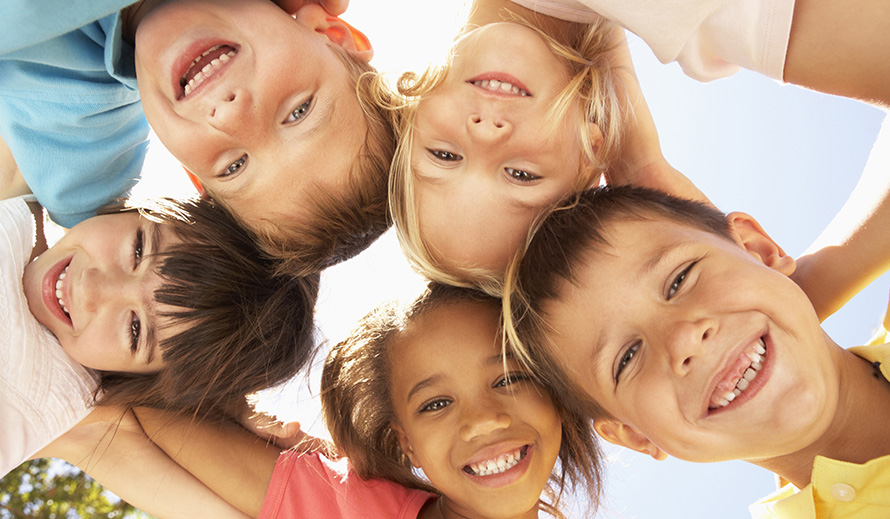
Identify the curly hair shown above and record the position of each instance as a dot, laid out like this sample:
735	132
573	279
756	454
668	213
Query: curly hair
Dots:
358	407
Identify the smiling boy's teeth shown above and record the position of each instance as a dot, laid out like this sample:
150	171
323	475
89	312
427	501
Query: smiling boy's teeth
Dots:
206	71
756	356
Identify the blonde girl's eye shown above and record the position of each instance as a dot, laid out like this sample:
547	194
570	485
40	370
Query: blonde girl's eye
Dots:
444	156
520	175
235	167
299	112
511	378
626	359
677	283
437	404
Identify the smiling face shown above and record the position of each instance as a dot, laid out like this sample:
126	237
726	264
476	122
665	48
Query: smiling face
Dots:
487	440
253	102
667	321
94	290
484	158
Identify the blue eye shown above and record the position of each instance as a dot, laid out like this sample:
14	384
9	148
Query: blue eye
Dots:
521	176
678	281
445	156
234	167
626	357
135	329
299	112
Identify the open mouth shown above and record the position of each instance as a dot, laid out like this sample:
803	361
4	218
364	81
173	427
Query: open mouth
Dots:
60	292
497	465
501	84
746	369
205	66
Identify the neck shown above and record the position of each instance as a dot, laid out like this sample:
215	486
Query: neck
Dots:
443	508
484	12
858	431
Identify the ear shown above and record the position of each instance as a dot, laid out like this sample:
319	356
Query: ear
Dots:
757	242
405	443
337	31
197	183
625	435
595	135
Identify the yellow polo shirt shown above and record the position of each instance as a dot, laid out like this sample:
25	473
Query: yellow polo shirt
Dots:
838	490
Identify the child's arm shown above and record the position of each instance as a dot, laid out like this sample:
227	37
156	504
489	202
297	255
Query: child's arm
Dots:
641	161
234	463
111	447
841	48
855	247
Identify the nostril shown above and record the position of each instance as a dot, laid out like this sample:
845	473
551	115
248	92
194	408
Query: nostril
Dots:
230	97
476	119
212	112
498	124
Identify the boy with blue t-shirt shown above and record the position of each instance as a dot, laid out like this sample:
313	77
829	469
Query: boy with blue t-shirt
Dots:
260	106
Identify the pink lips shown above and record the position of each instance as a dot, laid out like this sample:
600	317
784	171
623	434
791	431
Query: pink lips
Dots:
188	56
502	77
508	476
48	290
728	374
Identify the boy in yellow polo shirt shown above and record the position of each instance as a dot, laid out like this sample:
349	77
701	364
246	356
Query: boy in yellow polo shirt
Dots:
680	332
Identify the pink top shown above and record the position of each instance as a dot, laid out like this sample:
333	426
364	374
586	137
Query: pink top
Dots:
309	486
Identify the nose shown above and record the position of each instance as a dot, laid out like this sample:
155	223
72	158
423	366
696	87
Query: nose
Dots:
685	340
234	112
488	129
101	287
481	418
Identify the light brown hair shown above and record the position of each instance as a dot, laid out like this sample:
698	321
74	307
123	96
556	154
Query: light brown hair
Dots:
342	226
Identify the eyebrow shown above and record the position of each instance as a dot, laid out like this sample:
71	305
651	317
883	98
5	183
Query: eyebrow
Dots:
154	234
429	381
659	256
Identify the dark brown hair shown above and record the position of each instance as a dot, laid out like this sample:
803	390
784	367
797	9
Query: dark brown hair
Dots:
238	327
342	226
557	246
358	408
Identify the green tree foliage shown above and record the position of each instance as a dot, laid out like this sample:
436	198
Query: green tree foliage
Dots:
52	489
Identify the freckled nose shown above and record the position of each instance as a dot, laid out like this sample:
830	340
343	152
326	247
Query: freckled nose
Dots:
98	287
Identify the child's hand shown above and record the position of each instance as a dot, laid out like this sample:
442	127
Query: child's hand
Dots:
334	7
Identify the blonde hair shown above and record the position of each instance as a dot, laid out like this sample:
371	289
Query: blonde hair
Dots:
358	409
585	50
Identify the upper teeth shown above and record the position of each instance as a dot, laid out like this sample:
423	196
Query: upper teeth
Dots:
497	465
756	356
207	71
59	290
500	86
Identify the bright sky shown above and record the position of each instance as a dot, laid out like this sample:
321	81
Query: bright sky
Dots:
788	156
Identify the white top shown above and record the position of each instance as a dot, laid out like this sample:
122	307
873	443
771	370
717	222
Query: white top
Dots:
709	38
43	392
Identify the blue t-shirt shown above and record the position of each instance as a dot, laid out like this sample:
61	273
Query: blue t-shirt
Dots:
69	104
